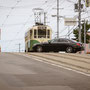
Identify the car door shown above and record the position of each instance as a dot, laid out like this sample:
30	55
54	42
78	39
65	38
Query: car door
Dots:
47	46
54	45
62	44
59	45
50	46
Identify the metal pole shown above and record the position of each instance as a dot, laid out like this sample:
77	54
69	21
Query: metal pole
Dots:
79	17
68	32
84	37
19	47
35	17
45	18
57	18
40	17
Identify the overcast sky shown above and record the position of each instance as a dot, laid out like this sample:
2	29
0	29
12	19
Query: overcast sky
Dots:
16	16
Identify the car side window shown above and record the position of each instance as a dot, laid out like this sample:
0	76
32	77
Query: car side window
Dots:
63	41
54	41
59	40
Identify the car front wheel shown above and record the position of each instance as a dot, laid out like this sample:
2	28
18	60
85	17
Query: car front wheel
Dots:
39	49
69	49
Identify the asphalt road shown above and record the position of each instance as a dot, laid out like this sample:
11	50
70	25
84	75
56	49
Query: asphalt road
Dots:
21	73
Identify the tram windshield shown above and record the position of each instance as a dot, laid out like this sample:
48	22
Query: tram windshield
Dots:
41	33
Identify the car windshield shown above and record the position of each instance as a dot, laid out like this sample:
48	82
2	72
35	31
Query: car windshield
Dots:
62	40
53	40
74	41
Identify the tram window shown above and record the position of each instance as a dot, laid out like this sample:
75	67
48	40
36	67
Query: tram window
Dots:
41	33
35	33
48	34
30	33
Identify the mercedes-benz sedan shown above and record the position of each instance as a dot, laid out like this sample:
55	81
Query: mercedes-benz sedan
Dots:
56	45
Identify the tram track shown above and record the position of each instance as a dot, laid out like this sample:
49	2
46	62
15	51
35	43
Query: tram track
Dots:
85	56
77	62
69	56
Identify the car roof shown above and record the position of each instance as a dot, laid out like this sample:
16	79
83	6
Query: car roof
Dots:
64	39
61	38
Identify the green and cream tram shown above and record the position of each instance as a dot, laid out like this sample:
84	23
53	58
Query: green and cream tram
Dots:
39	33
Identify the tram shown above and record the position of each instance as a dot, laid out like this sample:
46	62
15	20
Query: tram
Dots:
39	33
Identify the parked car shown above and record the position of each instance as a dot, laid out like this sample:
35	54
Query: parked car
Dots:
56	45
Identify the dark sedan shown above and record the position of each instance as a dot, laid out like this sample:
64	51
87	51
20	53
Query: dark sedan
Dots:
56	45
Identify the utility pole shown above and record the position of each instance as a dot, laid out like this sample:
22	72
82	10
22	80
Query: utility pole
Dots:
84	37
79	18
57	18
68	32
79	9
19	47
45	18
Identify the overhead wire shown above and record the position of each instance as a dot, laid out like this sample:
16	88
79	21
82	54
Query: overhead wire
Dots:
53	6
20	30
48	9
10	12
65	27
71	1
14	15
22	26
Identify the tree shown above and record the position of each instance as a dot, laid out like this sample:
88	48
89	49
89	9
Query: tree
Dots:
76	33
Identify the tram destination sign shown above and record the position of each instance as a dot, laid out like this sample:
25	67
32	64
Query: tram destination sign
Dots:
70	21
42	27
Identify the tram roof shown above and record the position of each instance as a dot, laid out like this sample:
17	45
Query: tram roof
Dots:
36	25
41	26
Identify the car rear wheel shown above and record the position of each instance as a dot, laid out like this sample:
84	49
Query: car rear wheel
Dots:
39	49
69	49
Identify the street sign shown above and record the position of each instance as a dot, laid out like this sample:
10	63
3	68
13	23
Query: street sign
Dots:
76	7
70	21
87	3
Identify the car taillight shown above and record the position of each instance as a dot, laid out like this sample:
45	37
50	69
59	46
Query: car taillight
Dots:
78	44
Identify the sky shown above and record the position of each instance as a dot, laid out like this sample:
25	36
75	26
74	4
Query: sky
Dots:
16	16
